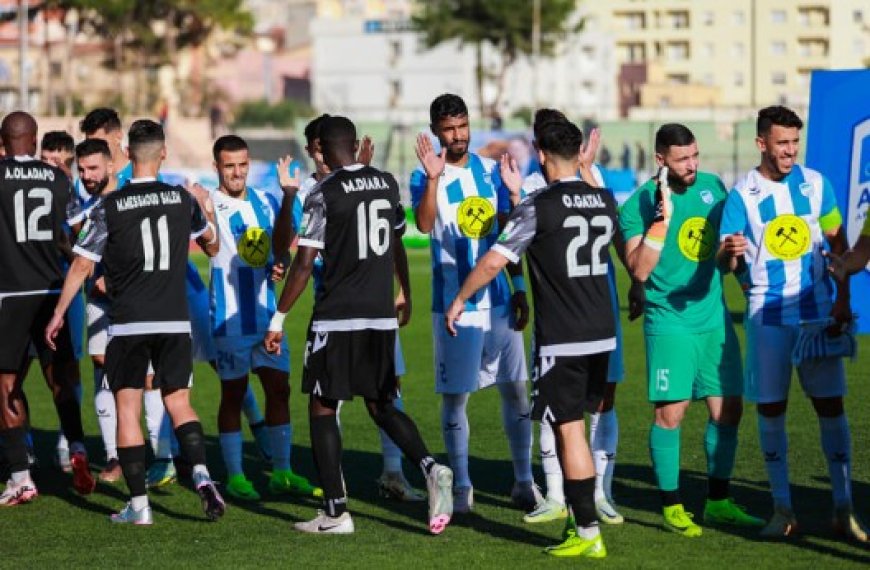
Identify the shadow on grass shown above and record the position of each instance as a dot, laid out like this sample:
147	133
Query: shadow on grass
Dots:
634	487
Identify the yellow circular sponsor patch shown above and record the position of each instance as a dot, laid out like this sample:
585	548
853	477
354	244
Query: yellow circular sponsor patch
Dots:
697	239
787	237
475	217
254	246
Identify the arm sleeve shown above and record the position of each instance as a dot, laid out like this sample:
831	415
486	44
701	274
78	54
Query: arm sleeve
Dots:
198	221
830	217
518	232
312	228
400	208
92	239
418	186
632	221
74	211
733	216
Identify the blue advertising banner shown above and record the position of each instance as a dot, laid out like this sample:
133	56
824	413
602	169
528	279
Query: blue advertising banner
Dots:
838	146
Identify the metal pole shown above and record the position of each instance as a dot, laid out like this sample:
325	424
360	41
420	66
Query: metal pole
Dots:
536	49
22	56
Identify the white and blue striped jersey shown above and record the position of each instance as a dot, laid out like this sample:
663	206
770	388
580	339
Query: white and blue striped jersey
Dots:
469	200
784	223
242	295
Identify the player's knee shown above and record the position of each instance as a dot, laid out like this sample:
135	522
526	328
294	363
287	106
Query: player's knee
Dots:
730	412
828	407
669	417
318	406
772	409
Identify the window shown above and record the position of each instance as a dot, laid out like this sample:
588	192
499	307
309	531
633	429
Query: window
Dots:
708	18
738	49
858	17
678	79
777	16
708	49
777	48
777	78
678	51
738	17
679	20
633	20
738	79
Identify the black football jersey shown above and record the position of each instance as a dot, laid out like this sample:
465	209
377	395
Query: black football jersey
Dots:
33	199
565	231
351	217
142	236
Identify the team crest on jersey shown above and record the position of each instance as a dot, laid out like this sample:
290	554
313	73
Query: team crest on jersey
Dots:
696	239
254	246
787	237
707	197
475	217
806	188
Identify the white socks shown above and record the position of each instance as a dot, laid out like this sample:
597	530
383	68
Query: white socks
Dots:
550	464
104	404
603	438
454	425
515	415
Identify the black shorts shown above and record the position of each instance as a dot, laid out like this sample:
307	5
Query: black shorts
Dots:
127	359
23	319
342	364
564	388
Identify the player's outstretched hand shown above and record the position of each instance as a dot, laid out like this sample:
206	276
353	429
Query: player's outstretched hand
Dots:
452	315
589	150
288	182
432	163
836	265
54	326
664	205
636	299
511	176
403	309
201	195
366	151
520	310
735	245
272	342
278	272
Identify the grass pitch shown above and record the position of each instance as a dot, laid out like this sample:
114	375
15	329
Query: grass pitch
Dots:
62	528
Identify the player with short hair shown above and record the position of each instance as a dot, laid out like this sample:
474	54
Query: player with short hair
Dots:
670	225
603	426
392	482
459	199
255	232
777	221
33	197
58	148
141	235
565	230
354	219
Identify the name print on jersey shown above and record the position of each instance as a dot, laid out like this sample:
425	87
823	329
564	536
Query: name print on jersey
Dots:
26	173
364	183
145	200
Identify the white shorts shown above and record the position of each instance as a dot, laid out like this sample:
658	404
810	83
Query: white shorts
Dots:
400	358
97	311
485	351
239	355
200	325
768	366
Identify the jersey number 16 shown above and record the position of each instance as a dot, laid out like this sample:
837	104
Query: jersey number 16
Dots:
373	231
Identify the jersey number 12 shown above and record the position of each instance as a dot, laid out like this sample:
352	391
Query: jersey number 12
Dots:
28	229
148	244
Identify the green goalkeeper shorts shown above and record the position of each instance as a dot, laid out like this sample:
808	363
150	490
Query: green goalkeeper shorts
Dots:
685	367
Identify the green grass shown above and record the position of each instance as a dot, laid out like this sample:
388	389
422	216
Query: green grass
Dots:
63	528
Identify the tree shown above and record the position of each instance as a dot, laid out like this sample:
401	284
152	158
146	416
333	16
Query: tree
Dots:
505	25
